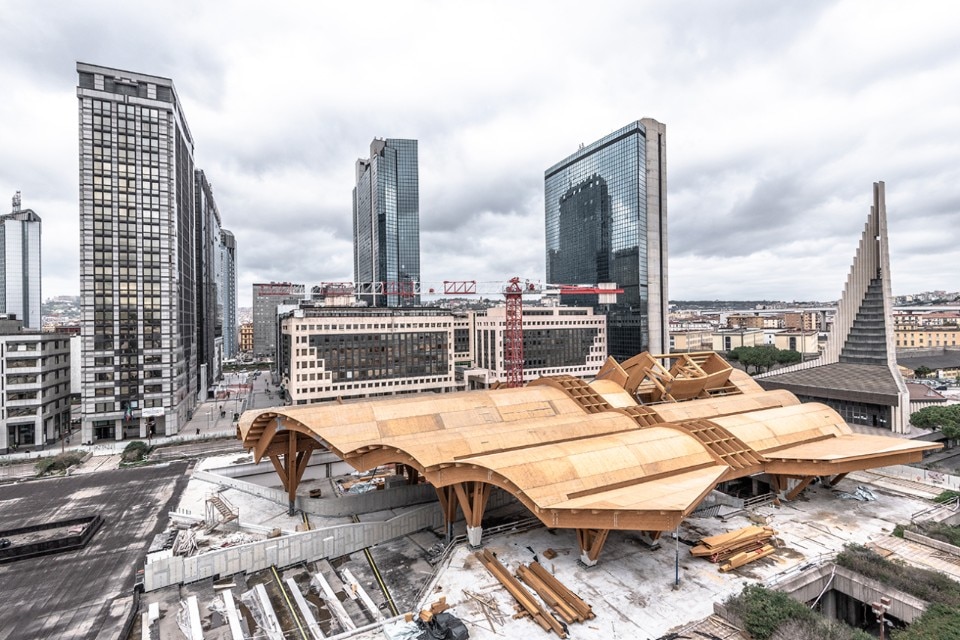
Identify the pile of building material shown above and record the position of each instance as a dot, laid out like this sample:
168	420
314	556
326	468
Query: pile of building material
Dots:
568	605
736	548
530	605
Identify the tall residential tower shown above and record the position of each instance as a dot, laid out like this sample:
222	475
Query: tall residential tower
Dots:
137	255
20	265
228	267
386	222
606	221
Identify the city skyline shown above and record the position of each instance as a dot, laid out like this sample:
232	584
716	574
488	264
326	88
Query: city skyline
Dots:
779	116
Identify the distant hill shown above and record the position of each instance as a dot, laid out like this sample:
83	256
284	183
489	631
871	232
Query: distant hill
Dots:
759	305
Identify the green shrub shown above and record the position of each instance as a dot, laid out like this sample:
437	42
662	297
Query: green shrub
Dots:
763	611
922	583
938	622
59	462
947	496
135	451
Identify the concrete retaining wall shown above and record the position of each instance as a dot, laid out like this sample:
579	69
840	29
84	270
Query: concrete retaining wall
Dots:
930	542
318	459
936	478
809	584
346	505
329	542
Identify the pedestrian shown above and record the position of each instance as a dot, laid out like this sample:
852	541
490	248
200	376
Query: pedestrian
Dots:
198	430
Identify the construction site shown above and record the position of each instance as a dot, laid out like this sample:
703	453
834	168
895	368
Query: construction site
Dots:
626	507
631	506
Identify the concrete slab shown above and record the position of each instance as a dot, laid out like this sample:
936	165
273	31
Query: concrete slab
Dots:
86	593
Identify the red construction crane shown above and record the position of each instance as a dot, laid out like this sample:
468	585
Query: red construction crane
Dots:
513	293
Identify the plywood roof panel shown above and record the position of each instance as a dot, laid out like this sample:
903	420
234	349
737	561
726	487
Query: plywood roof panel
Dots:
563	446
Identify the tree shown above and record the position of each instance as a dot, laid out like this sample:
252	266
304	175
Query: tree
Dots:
946	418
760	358
789	356
922	372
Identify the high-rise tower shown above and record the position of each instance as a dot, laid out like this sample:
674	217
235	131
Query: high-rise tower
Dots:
386	222
228	268
137	255
606	221
20	265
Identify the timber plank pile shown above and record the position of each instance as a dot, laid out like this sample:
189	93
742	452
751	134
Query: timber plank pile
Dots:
558	597
568	605
736	548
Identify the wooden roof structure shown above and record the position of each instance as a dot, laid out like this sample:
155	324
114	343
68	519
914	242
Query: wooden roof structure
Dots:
586	456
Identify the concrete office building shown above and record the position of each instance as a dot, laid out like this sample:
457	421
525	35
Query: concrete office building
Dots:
20	265
246	337
216	290
556	341
266	298
328	353
386	223
606	221
137	255
35	387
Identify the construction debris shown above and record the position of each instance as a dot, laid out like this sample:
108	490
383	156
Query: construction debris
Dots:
529	604
489	607
862	494
738	547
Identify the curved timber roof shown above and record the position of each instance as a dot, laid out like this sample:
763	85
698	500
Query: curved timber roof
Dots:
585	455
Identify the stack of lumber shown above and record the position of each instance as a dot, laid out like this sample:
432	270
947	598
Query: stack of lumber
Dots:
568	605
738	547
742	558
526	600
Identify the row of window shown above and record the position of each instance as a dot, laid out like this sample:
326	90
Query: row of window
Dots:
362	327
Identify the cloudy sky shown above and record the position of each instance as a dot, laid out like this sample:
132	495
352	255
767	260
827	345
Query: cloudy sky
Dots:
779	116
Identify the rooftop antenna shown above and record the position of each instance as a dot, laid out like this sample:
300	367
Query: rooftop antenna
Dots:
16	202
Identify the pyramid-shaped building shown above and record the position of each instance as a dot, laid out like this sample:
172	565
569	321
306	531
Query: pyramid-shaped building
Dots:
857	372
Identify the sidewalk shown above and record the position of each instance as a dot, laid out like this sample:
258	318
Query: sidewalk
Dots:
206	423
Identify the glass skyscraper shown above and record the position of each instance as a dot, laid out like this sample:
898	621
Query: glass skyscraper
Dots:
20	265
386	223
606	221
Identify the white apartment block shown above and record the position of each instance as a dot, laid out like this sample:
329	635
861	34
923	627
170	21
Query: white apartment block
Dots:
137	255
330	353
34	389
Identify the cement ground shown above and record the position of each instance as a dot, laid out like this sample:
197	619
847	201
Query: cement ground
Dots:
632	589
86	593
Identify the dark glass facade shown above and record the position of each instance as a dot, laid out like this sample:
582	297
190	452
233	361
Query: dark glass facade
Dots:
605	211
383	356
386	221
